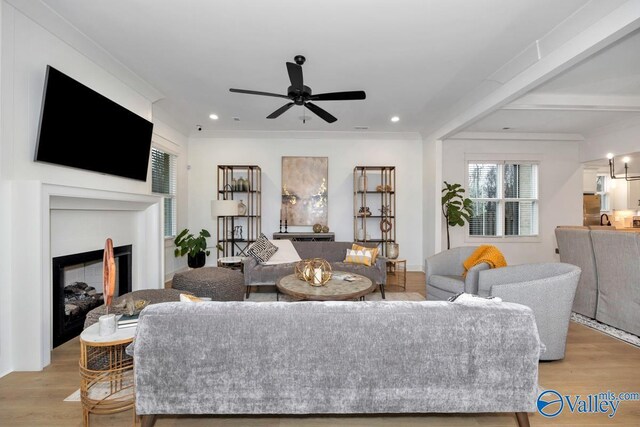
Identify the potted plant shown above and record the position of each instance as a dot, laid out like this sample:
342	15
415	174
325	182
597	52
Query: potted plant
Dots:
455	207
194	247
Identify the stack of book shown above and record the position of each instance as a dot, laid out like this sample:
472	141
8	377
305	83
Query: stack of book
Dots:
127	321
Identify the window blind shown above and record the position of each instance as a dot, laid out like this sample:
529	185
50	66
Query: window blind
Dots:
164	182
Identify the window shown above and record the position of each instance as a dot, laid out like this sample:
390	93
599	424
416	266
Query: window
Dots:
602	188
505	198
163	183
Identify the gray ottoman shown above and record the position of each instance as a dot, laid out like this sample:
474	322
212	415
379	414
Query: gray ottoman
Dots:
217	283
154	296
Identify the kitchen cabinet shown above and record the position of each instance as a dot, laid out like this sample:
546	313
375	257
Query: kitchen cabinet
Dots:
633	195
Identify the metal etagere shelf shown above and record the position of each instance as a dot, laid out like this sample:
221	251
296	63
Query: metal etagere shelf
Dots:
235	233
374	205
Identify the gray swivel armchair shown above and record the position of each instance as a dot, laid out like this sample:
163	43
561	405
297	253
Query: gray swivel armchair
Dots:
547	288
445	270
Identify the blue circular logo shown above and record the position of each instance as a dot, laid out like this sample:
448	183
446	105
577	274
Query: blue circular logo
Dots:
550	403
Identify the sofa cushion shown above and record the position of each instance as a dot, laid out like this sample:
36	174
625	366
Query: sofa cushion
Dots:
262	249
363	257
285	254
453	284
374	251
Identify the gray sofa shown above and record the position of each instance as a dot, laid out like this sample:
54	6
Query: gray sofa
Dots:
256	274
444	272
609	289
547	288
329	358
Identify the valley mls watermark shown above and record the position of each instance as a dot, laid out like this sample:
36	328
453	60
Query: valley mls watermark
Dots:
551	403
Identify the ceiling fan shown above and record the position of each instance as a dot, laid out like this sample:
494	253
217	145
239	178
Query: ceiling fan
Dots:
299	94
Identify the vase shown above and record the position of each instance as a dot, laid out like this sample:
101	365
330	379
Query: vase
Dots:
234	184
362	183
242	208
393	250
197	261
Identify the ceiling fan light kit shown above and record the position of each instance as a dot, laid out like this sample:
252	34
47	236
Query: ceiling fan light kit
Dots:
300	94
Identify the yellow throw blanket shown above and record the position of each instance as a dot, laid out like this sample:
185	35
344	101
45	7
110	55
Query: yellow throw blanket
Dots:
485	253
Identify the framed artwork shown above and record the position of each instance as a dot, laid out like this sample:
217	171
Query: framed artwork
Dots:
304	190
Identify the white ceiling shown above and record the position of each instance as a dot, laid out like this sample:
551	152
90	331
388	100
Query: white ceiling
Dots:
603	90
414	58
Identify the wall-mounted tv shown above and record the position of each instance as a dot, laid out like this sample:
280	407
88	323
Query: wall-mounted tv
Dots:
83	129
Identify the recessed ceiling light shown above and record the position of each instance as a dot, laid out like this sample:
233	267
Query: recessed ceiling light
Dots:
395	119
236	119
213	116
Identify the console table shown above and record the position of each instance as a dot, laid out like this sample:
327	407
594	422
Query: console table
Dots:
301	236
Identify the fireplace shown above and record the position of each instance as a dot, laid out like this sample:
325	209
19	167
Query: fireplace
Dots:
77	288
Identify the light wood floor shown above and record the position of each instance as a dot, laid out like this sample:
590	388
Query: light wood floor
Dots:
594	363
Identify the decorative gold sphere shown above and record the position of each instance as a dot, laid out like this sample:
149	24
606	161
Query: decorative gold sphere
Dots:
314	271
325	228
317	228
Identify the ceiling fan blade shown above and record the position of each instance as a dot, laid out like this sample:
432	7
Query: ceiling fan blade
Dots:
255	92
295	75
339	96
280	110
320	112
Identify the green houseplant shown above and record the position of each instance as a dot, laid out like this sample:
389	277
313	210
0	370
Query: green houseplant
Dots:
455	207
194	247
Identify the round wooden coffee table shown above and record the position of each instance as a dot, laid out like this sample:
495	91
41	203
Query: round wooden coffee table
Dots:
335	289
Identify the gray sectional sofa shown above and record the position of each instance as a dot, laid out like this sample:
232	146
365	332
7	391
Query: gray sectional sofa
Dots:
256	274
609	289
335	358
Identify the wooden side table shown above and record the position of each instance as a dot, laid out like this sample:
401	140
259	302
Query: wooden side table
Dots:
395	267
106	372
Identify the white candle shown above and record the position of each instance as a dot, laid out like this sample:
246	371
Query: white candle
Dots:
317	276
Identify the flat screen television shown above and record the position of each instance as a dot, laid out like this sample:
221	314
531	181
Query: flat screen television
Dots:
83	129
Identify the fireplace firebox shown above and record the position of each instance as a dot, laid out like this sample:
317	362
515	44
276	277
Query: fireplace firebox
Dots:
77	288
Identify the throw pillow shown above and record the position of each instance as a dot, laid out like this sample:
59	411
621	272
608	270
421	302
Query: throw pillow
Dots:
374	251
262	249
358	257
189	298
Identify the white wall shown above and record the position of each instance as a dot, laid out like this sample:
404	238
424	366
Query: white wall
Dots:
344	153
27	48
172	141
431	179
560	191
619	139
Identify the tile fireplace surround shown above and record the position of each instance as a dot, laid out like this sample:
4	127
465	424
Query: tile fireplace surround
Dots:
51	220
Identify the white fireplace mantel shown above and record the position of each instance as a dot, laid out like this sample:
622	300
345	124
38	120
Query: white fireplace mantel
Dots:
33	203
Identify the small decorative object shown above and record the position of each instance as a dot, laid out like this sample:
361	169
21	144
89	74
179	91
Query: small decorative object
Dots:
194	247
317	228
241	184
107	322
237	232
325	228
234	184
132	307
385	225
314	271
392	250
360	234
362	183
364	211
383	188
455	207
242	208
385	210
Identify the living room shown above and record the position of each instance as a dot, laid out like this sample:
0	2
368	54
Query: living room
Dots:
550	84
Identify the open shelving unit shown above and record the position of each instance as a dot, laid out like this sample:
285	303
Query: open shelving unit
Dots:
374	187
232	241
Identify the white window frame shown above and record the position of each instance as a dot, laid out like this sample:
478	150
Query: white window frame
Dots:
173	189
606	194
501	200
